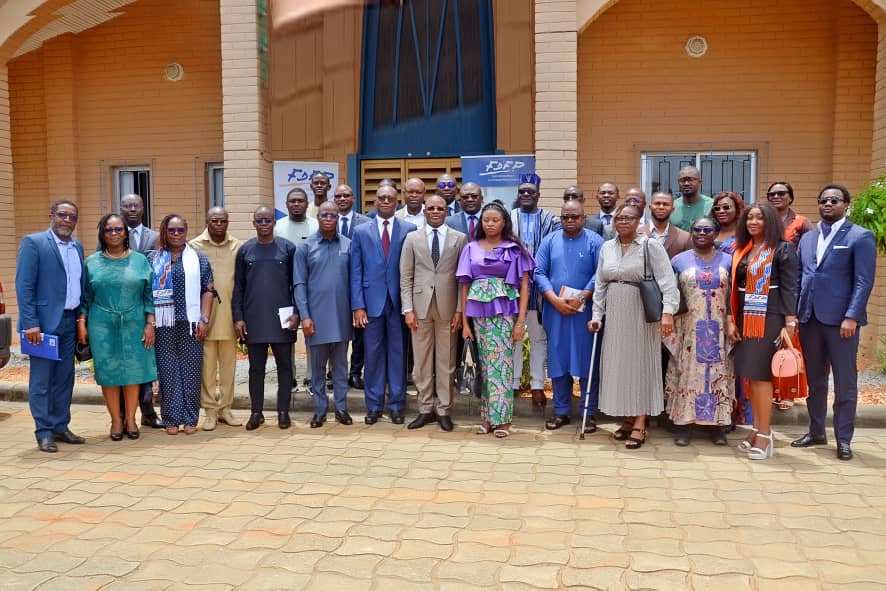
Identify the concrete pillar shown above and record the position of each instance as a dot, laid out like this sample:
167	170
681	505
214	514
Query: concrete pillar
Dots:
7	205
248	169
556	98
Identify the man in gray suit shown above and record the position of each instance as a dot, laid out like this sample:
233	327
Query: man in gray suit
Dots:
592	223
348	219
141	239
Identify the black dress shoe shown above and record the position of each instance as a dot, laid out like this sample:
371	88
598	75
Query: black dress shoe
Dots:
421	420
150	419
398	418
372	417
69	437
718	436
317	421
344	418
808	440
445	422
283	420
683	436
844	452
47	444
255	419
355	382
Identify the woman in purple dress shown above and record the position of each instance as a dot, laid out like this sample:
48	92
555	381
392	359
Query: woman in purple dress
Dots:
494	273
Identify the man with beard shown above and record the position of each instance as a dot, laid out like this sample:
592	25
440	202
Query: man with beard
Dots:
414	196
467	220
674	239
607	197
320	188
691	204
447	188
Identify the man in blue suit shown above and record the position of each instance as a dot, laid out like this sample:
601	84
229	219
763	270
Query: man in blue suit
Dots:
838	265
375	300
48	286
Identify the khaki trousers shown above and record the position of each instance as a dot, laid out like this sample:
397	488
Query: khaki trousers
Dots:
219	361
433	345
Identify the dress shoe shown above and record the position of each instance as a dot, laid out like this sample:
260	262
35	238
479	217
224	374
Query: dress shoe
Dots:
844	452
398	418
150	419
372	417
445	422
809	440
69	437
283	420
421	420
718	436
355	382
47	444
343	417
227	417
317	421
211	420
116	436
132	434
255	419
683	436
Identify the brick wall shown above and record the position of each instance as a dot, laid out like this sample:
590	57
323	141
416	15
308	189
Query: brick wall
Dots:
7	220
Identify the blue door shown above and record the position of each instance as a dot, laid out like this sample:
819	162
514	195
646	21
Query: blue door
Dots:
428	79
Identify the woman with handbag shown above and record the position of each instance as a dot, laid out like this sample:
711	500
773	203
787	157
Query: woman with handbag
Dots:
637	294
117	321
494	271
763	301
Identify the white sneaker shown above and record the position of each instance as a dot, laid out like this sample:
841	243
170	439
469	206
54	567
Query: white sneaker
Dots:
227	417
210	421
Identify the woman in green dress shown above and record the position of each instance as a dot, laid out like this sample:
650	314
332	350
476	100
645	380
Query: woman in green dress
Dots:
117	320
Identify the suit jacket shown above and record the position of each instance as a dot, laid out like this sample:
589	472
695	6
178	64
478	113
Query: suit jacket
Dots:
420	280
678	240
40	281
358	219
374	279
147	241
839	285
595	224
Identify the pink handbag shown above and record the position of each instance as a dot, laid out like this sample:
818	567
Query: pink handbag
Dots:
787	361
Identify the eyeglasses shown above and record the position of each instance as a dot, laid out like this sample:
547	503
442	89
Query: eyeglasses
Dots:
435	208
772	194
176	231
446	185
626	218
566	217
688	179
632	201
829	200
343	195
702	230
717	208
68	217
470	195
328	216
386	198
263	221
131	206
111	230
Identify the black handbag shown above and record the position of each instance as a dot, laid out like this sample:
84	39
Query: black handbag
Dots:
467	376
650	293
82	352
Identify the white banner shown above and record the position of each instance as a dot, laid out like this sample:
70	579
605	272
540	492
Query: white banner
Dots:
289	174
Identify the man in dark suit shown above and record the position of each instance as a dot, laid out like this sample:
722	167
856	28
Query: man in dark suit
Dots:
467	220
447	188
375	300
838	265
592	223
348	219
674	239
48	286
141	239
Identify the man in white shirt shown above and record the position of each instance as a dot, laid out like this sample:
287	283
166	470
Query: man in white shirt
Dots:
414	196
607	197
297	225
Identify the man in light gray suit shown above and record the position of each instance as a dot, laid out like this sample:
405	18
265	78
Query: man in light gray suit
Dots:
432	310
141	239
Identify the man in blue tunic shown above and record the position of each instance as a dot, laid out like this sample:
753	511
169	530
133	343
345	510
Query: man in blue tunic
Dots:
567	266
322	294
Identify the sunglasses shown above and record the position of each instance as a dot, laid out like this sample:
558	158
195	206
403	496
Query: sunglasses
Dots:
437	208
626	218
717	208
131	206
328	216
446	185
117	230
263	221
68	217
526	192
772	194
176	231
343	195
702	230
829	200
570	216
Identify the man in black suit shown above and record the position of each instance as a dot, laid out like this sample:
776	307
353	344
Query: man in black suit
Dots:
348	219
593	223
447	188
141	239
468	219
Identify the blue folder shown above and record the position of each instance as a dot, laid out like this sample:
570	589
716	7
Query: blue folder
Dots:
47	349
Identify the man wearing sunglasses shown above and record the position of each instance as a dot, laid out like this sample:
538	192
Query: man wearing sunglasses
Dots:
447	188
48	286
468	219
838	265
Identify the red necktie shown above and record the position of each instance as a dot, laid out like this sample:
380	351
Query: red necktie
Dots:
386	240
471	228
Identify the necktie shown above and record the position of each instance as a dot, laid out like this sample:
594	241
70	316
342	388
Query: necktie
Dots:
435	248
344	227
607	218
386	240
472	226
825	230
133	239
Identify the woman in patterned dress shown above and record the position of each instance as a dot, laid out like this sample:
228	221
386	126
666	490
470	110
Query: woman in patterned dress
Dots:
494	271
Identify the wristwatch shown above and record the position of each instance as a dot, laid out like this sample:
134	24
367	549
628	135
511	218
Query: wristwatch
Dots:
581	298
204	319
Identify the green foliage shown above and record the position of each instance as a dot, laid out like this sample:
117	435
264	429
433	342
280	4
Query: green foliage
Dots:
879	365
868	209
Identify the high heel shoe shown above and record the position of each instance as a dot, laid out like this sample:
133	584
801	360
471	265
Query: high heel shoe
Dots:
116	436
746	445
755	453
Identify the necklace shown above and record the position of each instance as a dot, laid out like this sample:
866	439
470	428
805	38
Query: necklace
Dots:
123	254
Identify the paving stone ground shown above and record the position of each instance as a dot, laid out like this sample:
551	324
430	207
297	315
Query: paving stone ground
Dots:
382	507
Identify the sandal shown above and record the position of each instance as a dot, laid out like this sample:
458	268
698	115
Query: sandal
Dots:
590	425
624	431
502	433
785	404
172	430
190	430
557	421
484	429
633	442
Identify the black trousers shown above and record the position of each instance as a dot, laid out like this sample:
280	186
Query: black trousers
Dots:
357	354
258	358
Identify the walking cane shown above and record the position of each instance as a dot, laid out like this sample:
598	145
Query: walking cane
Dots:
584	416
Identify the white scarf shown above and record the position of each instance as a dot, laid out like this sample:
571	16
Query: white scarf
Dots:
163	299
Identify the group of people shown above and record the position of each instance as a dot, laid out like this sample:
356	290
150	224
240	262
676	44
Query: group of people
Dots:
419	282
